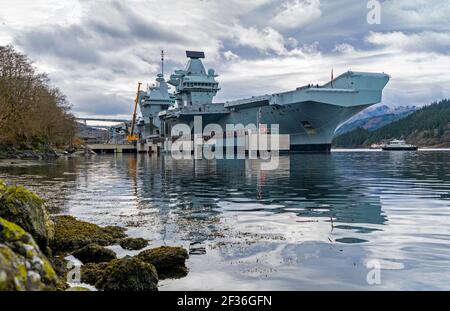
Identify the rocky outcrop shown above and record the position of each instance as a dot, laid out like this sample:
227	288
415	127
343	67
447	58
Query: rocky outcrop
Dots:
27	210
133	243
169	261
72	234
94	253
22	264
126	274
43	153
92	272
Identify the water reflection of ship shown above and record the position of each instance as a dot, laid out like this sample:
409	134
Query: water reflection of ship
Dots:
310	185
324	184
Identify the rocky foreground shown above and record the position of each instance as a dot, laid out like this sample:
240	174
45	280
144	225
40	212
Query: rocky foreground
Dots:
34	247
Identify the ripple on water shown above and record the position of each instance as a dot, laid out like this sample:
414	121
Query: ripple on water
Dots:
313	223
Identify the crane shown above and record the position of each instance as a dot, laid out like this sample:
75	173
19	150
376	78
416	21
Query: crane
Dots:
131	137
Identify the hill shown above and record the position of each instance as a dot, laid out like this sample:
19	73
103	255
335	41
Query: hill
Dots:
376	117
428	126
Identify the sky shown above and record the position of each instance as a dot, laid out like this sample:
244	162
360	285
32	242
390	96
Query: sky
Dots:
97	51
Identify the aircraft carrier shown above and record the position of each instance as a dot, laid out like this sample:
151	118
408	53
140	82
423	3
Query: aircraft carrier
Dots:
309	115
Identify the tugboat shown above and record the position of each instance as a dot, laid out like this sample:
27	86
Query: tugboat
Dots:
398	144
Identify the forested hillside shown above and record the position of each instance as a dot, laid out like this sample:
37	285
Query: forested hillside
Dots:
375	118
427	127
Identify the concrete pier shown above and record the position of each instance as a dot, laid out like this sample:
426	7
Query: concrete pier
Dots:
113	148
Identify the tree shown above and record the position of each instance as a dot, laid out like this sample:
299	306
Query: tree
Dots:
32	112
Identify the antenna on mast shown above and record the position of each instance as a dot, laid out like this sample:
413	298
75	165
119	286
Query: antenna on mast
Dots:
162	62
332	77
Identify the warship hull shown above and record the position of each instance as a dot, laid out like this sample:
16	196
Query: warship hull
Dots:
309	115
310	125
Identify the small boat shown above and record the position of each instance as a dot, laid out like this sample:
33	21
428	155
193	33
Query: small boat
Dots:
398	144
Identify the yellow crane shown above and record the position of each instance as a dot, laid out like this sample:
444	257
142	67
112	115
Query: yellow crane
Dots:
131	136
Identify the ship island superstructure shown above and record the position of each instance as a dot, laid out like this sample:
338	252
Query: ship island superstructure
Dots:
308	116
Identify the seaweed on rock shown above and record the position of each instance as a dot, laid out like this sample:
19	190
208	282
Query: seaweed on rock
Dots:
133	243
72	234
94	253
169	261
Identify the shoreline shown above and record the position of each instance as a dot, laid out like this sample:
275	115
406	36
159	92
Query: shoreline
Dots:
340	149
29	154
53	239
44	153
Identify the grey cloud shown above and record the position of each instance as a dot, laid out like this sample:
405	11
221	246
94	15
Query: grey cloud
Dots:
117	43
71	43
97	103
85	43
133	27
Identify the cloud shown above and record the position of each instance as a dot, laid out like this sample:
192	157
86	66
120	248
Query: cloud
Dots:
99	103
344	48
265	40
117	28
422	41
416	13
230	56
96	51
296	13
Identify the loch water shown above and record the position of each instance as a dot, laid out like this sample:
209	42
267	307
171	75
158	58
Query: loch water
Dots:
365	220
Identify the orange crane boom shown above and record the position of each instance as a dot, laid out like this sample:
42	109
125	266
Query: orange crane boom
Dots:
131	137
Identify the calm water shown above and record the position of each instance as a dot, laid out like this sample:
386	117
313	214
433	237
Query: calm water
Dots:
314	223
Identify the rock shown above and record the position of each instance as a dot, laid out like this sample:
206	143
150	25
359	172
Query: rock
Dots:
60	265
38	153
26	209
94	253
22	264
82	151
72	234
91	273
169	261
128	275
28	154
61	284
133	243
78	289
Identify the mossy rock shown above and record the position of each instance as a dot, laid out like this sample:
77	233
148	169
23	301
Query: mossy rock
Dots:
22	264
26	209
60	265
169	261
129	274
94	253
91	273
133	243
72	234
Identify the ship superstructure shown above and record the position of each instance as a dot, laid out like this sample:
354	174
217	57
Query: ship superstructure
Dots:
193	85
308	114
